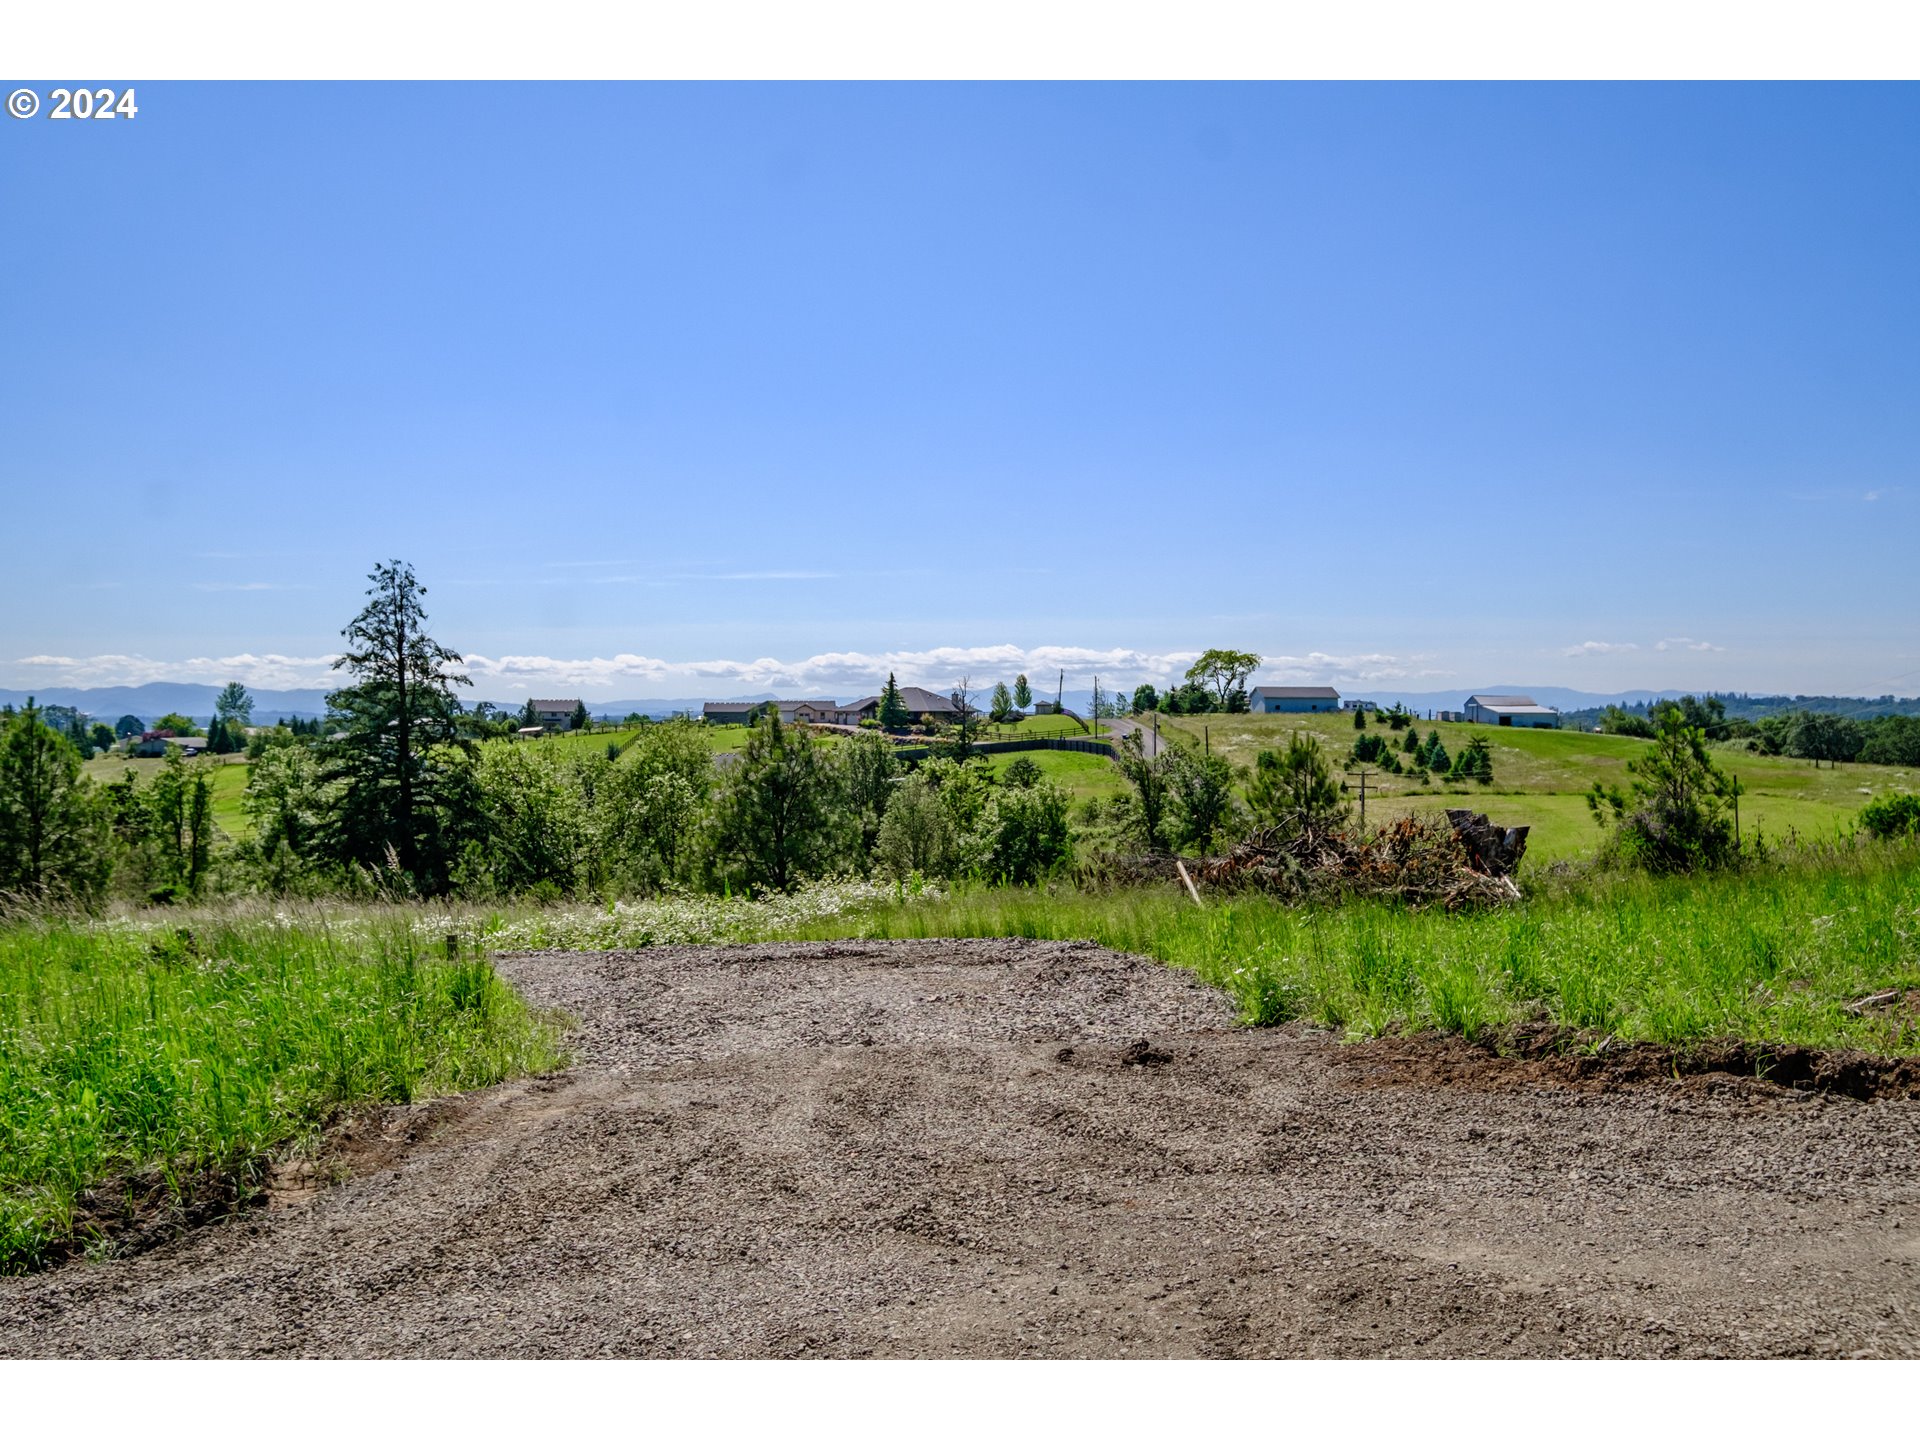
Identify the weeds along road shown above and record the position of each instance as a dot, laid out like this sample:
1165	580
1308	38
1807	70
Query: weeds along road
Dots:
1023	1148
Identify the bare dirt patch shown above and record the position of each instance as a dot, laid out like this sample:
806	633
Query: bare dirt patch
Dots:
1544	1055
1008	1148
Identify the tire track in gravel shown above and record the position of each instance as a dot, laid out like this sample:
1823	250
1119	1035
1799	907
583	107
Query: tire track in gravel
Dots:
965	1148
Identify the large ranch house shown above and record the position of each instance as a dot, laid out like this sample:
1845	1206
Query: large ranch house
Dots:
552	715
1292	699
1517	710
829	712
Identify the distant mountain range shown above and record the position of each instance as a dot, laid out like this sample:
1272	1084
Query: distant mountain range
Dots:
163	697
196	702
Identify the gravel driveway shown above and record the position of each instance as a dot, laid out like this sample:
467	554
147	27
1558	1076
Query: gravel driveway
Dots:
1020	1148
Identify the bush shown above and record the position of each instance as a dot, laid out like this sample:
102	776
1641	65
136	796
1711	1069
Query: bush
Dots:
1294	789
1675	821
1023	834
1021	773
1891	816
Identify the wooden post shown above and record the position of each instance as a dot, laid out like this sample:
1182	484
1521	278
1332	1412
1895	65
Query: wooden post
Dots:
1181	866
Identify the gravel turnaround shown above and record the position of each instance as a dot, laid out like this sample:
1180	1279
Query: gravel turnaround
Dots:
998	1148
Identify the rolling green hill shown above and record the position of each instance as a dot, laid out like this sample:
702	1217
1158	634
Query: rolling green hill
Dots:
1540	777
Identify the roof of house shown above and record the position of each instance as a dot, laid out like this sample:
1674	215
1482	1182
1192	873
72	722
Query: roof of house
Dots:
1296	692
1518	704
816	704
730	707
917	701
567	705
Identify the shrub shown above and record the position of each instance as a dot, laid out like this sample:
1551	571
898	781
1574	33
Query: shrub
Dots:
1891	816
1294	789
1021	773
1676	820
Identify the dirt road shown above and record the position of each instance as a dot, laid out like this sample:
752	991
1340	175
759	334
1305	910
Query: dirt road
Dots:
964	1148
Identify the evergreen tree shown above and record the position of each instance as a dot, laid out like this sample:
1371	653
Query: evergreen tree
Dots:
1413	744
128	725
893	710
580	719
1359	717
397	764
1676	819
775	812
1022	694
1001	706
52	828
1294	789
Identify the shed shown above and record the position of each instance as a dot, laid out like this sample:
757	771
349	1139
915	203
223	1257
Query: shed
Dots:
1517	710
1292	699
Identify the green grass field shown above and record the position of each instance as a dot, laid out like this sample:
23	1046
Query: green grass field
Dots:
586	742
1034	727
132	1057
1770	956
1541	775
229	774
1082	776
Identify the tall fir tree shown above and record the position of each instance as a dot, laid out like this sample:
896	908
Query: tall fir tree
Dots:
398	762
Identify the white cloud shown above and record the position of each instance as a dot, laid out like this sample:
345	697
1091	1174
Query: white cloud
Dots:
1599	647
838	673
1683	643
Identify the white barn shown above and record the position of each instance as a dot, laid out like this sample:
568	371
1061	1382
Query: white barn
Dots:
1517	710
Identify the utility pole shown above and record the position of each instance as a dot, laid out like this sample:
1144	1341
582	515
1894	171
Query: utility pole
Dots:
1363	773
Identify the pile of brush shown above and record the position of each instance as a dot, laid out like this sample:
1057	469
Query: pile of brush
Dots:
1460	862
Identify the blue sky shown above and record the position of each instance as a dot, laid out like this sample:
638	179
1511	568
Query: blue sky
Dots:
680	389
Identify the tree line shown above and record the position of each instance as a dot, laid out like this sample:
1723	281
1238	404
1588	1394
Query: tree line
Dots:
1800	733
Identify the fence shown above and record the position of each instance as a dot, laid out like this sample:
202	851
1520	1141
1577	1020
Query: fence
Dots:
1006	747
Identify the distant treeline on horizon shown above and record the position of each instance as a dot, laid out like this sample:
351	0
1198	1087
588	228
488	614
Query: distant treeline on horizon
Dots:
1759	707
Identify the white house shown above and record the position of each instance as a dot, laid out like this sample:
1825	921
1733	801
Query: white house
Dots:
1511	710
554	714
1277	699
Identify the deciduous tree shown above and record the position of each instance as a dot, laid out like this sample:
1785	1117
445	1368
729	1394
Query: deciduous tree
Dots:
234	705
774	820
1224	671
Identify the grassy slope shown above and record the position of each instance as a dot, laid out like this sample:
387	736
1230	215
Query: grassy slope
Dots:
1771	956
1082	776
1540	776
119	1058
229	782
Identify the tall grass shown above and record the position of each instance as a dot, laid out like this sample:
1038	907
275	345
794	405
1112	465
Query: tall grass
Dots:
128	1050
1770	956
